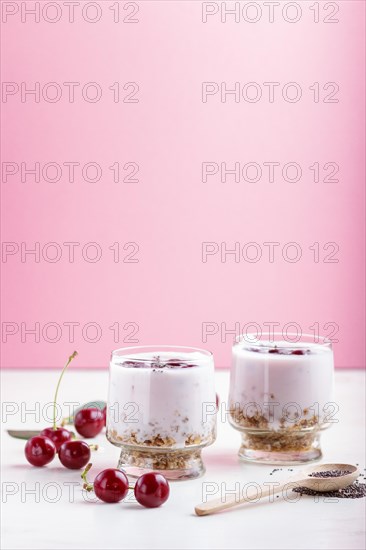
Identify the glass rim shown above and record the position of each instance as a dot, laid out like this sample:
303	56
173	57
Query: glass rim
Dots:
268	339
129	351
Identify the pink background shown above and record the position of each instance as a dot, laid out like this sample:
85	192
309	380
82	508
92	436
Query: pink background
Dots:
170	292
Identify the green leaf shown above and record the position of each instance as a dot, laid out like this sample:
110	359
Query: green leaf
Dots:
23	434
26	434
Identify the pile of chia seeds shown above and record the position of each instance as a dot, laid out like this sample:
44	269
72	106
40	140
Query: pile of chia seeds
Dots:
356	490
330	473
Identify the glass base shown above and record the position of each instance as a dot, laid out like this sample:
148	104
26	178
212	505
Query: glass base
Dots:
175	465
277	448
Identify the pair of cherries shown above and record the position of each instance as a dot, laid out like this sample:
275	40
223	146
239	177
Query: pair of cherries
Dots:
111	485
73	454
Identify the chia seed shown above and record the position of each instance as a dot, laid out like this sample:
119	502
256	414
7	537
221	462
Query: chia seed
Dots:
330	473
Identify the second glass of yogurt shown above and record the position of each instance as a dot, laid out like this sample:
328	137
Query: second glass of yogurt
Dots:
281	394
161	409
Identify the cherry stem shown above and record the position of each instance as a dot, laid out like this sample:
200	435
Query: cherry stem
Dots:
58	385
87	486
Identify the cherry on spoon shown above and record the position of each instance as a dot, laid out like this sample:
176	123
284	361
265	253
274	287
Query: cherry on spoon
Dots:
305	478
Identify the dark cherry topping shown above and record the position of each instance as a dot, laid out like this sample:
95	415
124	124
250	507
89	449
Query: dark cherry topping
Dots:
174	363
158	364
280	351
134	364
170	364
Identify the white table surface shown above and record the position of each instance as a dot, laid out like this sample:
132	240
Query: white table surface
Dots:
305	524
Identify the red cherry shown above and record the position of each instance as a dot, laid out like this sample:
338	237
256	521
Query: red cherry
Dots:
111	485
39	450
217	401
104	411
89	422
151	490
74	454
58	436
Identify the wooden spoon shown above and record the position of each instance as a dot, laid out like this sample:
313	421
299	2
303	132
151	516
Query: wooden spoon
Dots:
301	479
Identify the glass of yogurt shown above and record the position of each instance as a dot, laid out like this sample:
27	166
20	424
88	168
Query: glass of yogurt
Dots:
280	397
161	409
